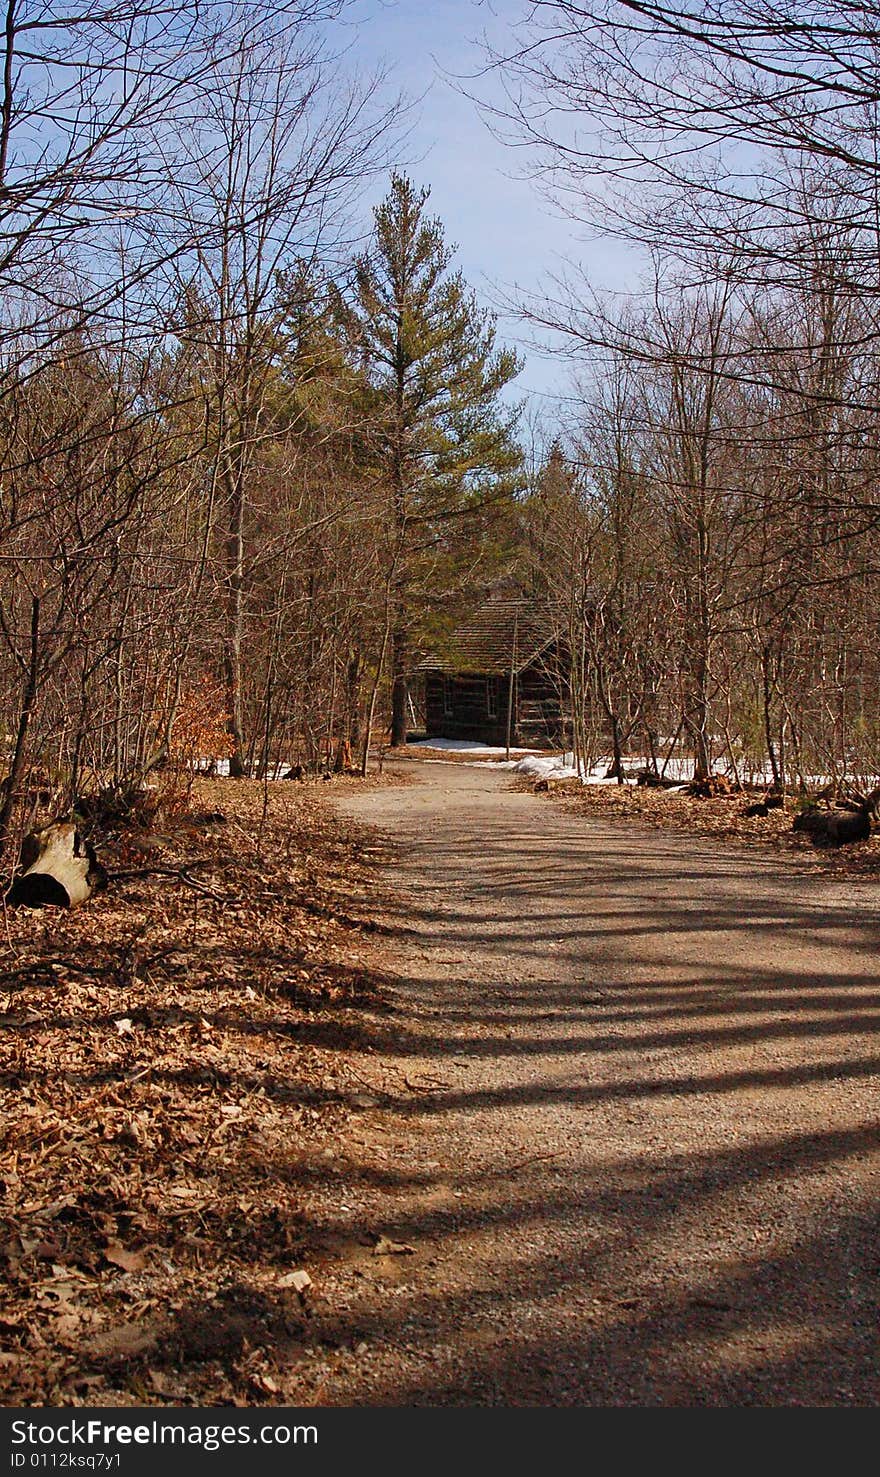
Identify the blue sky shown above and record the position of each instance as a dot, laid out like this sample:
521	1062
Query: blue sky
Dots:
506	232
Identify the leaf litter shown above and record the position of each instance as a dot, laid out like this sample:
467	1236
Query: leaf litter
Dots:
722	818
167	1060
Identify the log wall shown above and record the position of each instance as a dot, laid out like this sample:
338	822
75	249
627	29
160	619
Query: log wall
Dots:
473	706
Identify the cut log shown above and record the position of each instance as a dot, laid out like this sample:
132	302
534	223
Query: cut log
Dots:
650	779
59	869
714	787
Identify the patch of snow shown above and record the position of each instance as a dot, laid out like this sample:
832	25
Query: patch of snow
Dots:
463	746
546	767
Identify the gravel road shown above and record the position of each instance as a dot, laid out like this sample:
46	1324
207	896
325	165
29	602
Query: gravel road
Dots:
624	1112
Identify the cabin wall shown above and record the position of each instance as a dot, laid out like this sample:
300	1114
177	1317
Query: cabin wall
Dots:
459	708
469	718
543	711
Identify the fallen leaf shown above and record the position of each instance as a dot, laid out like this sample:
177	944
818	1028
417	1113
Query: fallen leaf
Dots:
265	1383
386	1247
129	1261
160	1385
49	1212
57	1293
67	1325
123	1340
117	1167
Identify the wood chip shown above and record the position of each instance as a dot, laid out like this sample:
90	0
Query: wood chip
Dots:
299	1280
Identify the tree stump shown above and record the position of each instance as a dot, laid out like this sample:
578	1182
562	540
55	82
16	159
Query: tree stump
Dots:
343	764
60	869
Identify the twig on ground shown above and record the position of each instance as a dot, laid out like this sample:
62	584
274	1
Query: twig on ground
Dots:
180	874
52	963
532	1159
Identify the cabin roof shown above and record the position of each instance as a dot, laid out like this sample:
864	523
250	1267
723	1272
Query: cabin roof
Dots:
500	635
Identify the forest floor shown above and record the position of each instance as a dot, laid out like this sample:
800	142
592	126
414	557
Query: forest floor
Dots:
722	817
549	1107
169	1078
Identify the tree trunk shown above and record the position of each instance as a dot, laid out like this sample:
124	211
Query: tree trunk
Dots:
232	646
616	770
16	768
697	719
352	708
374	694
768	717
399	687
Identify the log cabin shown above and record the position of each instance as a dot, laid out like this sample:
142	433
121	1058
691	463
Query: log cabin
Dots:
506	667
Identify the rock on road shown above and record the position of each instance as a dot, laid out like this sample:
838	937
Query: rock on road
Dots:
624	1112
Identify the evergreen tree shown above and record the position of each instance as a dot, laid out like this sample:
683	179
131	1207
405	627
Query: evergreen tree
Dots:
447	449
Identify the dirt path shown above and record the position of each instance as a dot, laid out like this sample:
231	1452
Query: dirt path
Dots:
626	1112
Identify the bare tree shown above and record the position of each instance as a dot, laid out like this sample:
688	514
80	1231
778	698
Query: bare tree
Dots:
265	176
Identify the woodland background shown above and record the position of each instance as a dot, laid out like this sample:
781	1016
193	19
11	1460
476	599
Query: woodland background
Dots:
256	456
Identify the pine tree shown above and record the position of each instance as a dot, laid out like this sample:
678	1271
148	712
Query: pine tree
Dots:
447	449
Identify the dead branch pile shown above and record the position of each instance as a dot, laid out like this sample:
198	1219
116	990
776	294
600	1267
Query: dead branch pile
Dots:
844	823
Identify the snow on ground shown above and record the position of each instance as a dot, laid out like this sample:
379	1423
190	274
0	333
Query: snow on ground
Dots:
547	767
463	746
532	763
538	764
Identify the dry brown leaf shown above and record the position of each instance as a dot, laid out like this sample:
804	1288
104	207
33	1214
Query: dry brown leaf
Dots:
67	1326
129	1261
123	1340
386	1247
265	1383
